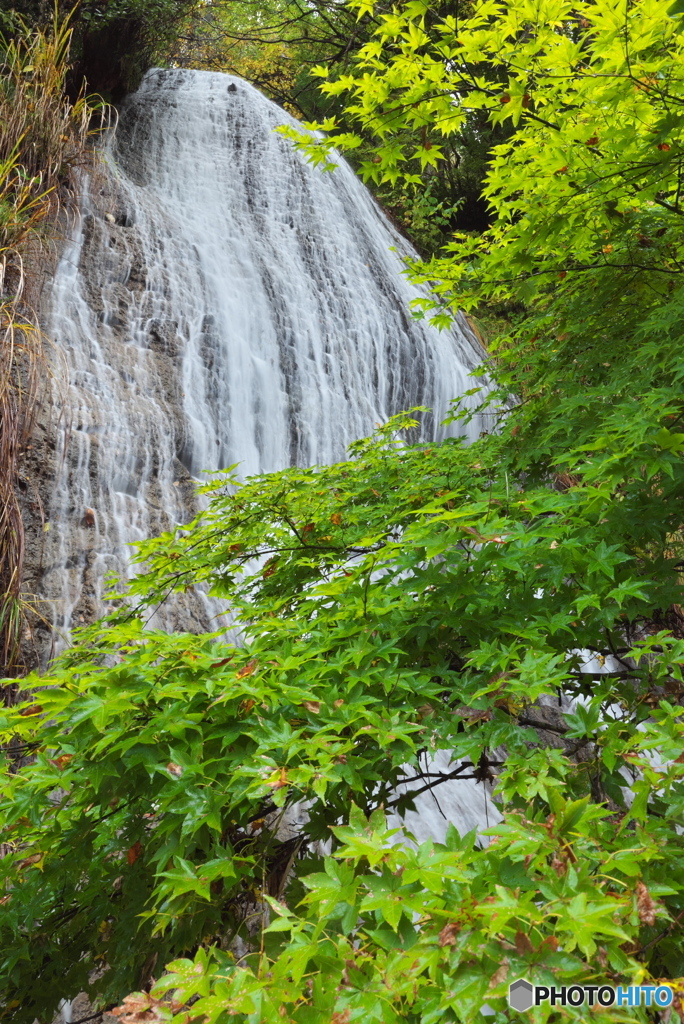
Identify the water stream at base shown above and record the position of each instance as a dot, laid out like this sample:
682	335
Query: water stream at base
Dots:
222	301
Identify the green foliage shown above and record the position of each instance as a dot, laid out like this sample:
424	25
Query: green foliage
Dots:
403	601
114	41
279	45
275	45
390	931
592	168
416	598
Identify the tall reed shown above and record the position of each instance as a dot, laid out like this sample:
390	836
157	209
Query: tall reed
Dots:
43	136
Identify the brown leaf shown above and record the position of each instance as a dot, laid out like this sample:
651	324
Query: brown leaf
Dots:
473	714
277	781
336	518
550	942
522	944
139	1008
563	481
32	709
62	760
35	858
646	907
314	706
248	669
220	664
447	936
134	852
499	975
592	141
340	1018
558	865
504	98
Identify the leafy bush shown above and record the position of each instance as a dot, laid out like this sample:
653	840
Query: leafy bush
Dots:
414	599
390	605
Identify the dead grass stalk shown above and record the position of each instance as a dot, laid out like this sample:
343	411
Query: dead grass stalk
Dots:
43	137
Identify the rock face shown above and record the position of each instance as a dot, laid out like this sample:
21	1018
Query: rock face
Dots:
219	301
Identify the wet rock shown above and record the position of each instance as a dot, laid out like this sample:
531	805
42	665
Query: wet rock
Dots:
163	336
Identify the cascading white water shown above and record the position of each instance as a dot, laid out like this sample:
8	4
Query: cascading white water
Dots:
223	301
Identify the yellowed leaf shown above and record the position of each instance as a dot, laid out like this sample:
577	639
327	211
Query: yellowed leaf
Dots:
278	779
248	669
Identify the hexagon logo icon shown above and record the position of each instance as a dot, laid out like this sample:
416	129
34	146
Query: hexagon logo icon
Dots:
521	995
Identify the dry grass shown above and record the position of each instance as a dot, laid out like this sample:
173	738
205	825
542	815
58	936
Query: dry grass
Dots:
42	137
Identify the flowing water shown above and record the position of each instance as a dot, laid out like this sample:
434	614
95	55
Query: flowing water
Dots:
221	301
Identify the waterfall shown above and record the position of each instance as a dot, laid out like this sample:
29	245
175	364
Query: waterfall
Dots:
221	301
